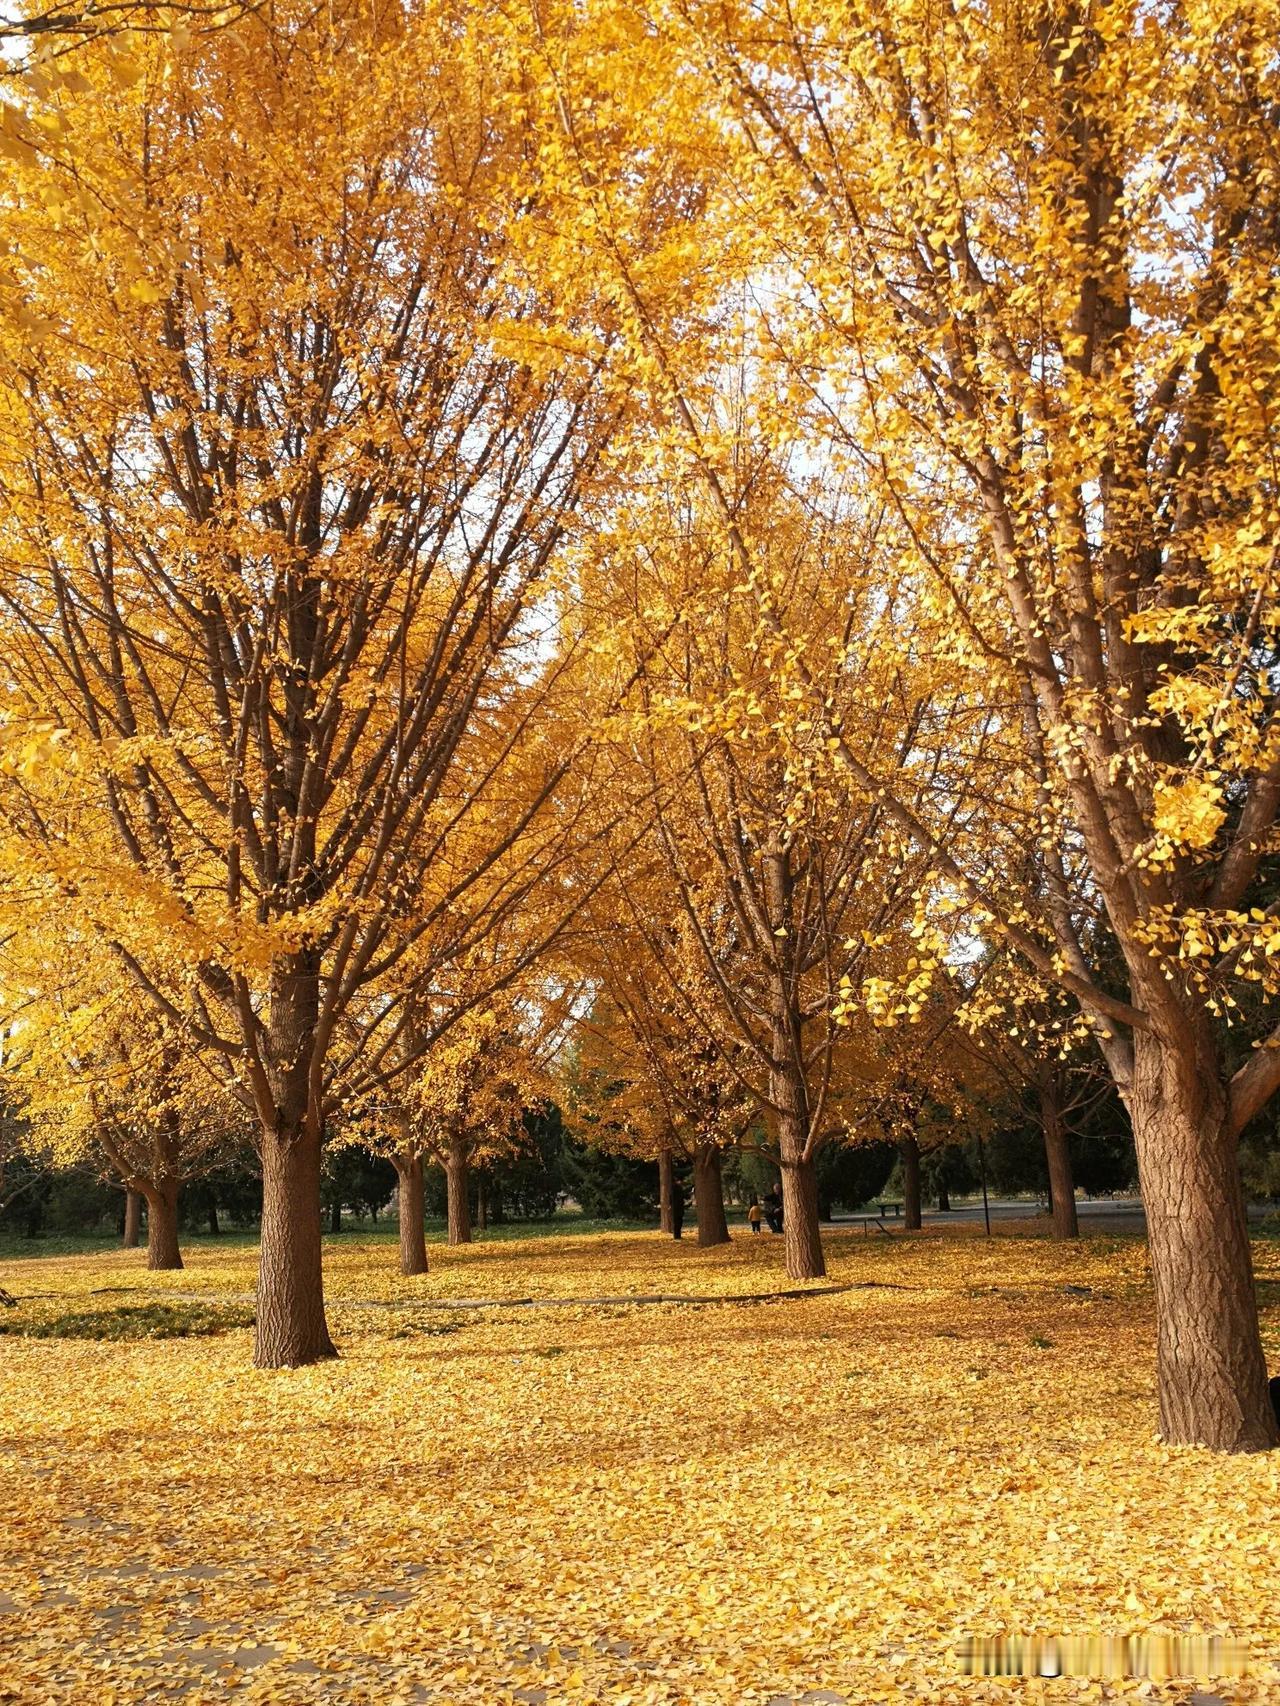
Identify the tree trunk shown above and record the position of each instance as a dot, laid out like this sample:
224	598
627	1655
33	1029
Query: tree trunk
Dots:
482	1204
788	1088
291	1328
455	1171
1057	1151
413	1240
214	1228
666	1173
1210	1367
944	1198
335	1217
909	1149
162	1226
132	1219
801	1238
708	1196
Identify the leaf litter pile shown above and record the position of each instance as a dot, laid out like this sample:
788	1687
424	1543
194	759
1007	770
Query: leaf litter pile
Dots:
817	1498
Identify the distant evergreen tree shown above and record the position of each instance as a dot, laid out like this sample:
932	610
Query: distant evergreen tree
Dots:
355	1178
610	1187
851	1175
231	1195
530	1186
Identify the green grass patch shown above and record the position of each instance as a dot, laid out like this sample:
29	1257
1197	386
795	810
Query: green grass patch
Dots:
425	1330
138	1321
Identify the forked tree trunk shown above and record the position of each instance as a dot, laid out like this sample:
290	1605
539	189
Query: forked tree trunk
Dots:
1057	1153
132	1219
162	1225
413	1240
455	1172
1210	1367
708	1196
291	1328
909	1149
666	1173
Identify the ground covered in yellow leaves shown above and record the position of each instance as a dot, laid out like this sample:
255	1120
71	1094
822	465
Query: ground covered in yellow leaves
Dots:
814	1497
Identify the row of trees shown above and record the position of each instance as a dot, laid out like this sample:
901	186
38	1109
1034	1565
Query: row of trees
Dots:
1010	270
528	1184
551	1167
792	594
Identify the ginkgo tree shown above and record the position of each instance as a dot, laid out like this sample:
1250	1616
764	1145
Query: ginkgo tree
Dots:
1039	252
132	1099
1035	1044
288	460
1015	266
645	1078
104	1082
793	902
58	29
462	1103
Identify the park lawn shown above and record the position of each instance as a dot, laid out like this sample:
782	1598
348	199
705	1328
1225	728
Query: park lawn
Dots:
736	1503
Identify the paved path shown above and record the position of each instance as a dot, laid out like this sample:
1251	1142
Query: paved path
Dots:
1008	1208
1003	1208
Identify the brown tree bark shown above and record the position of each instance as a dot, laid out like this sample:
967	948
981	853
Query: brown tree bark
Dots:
456	1171
666	1173
132	1218
162	1225
801	1238
291	1330
909	1149
1057	1151
1211	1370
708	1196
413	1238
789	1092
